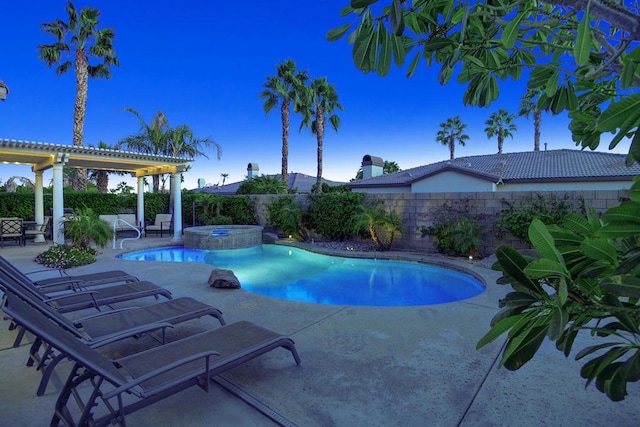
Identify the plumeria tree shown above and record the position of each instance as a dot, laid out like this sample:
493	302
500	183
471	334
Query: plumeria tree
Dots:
283	89
78	41
452	131
583	57
500	125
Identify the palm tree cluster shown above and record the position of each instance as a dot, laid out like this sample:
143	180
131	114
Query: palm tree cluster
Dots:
500	124
158	138
315	102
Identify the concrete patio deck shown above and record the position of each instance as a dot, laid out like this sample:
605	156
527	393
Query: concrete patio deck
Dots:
361	366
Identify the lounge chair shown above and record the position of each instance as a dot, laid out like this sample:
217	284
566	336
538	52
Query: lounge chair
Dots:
105	391
67	281
82	299
108	327
39	229
161	224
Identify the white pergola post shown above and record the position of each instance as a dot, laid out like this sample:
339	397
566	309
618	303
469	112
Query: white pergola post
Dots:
58	199
177	207
39	206
140	202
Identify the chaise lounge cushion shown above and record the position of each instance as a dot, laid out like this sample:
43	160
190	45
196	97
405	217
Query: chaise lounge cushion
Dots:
120	226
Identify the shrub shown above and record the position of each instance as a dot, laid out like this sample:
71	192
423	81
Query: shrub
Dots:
66	256
332	214
551	209
286	216
263	184
240	208
456	230
84	227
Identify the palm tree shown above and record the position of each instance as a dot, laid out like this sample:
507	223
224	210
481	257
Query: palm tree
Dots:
150	139
182	143
372	217
158	138
451	131
101	177
85	41
530	106
320	99
224	177
283	89
501	124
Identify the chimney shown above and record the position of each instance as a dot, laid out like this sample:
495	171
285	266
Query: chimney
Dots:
371	166
252	170
200	182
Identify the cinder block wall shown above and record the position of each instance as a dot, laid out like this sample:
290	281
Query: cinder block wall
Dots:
418	210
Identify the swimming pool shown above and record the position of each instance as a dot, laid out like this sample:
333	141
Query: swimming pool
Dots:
294	274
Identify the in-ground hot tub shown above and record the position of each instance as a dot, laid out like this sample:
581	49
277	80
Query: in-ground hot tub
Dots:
214	237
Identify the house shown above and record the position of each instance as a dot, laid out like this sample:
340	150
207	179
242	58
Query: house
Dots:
300	182
553	170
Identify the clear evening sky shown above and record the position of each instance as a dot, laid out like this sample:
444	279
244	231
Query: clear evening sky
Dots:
203	63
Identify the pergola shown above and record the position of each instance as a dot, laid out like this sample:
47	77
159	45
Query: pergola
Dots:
43	156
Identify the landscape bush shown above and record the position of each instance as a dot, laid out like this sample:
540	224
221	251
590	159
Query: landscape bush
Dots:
331	214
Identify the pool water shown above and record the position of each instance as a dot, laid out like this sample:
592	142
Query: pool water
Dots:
294	274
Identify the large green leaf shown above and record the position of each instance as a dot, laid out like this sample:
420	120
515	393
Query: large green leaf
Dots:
337	33
513	264
358	4
395	16
399	50
542	240
616	231
594	348
498	329
582	47
626	286
511	31
413	65
363	46
521	349
558	323
437	44
618	113
577	224
600	249
634	191
384	58
543	267
626	212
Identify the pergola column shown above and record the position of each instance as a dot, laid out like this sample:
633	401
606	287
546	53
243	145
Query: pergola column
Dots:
39	206
58	198
140	202
177	207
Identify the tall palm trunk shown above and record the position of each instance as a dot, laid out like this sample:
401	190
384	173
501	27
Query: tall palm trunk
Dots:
284	112
79	111
452	146
102	181
537	120
320	138
500	140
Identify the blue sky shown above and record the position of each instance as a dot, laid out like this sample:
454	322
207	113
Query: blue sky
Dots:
203	63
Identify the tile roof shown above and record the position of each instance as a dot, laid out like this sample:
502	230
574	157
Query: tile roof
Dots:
529	166
302	182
